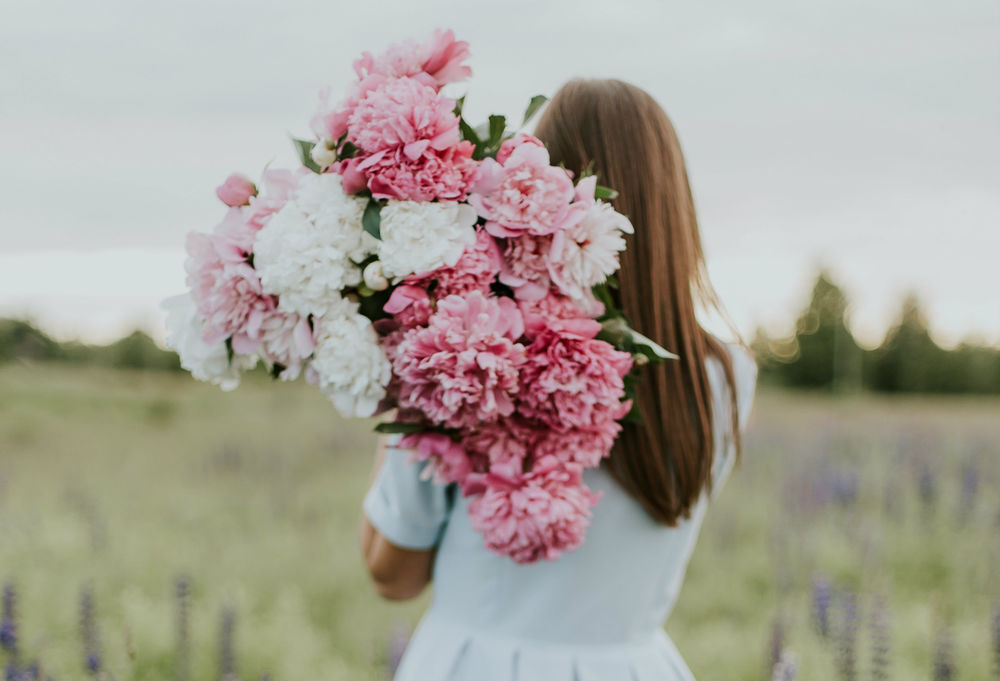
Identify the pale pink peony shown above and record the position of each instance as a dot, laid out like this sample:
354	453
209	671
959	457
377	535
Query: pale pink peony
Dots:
443	174
286	339
236	190
534	516
236	233
438	60
403	112
227	292
277	188
526	266
586	253
462	369
524	195
475	270
571	379
448	460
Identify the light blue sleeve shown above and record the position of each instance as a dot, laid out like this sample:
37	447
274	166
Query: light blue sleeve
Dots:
407	510
745	376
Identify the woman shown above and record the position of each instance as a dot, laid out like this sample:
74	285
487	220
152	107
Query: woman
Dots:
597	612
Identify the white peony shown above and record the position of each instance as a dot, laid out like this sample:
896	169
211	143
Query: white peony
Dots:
286	339
206	362
418	237
586	253
349	364
311	248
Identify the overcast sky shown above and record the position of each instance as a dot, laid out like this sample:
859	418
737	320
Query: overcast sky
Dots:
860	136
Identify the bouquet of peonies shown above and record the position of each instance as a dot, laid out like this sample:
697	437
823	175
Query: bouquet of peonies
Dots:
451	273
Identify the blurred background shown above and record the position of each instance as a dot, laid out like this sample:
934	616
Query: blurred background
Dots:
844	158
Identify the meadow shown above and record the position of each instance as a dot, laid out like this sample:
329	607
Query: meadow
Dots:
153	528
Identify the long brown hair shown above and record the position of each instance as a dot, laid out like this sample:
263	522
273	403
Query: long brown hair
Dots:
666	461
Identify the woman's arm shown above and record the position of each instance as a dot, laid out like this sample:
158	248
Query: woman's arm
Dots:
398	573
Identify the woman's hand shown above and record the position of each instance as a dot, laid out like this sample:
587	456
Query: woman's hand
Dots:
398	573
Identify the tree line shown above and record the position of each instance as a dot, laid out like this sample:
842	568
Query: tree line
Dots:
822	353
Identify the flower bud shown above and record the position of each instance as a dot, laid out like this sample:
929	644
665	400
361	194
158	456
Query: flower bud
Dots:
236	190
323	155
374	278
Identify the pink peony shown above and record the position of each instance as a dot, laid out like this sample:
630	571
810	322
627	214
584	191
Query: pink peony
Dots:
508	147
533	516
410	306
462	369
330	123
526	266
432	174
438	60
523	195
236	190
503	442
403	112
557	306
286	339
585	446
449	461
571	379
475	270
227	292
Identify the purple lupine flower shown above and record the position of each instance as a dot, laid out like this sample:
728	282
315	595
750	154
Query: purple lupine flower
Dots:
8	621
776	644
844	487
822	594
847	636
182	658
880	641
927	485
398	641
996	640
227	650
944	662
970	484
88	631
787	668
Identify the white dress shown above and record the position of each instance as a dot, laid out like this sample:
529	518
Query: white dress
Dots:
594	614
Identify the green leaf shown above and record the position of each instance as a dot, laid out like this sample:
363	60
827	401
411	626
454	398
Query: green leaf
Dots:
399	427
603	294
618	333
372	219
347	150
468	133
604	193
229	350
304	149
649	347
533	106
459	104
497	125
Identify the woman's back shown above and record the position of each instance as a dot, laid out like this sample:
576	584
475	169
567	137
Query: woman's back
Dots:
596	612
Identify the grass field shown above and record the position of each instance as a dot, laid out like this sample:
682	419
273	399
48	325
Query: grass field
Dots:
876	520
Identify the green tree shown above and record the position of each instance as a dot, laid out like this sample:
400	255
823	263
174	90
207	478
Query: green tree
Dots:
825	352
